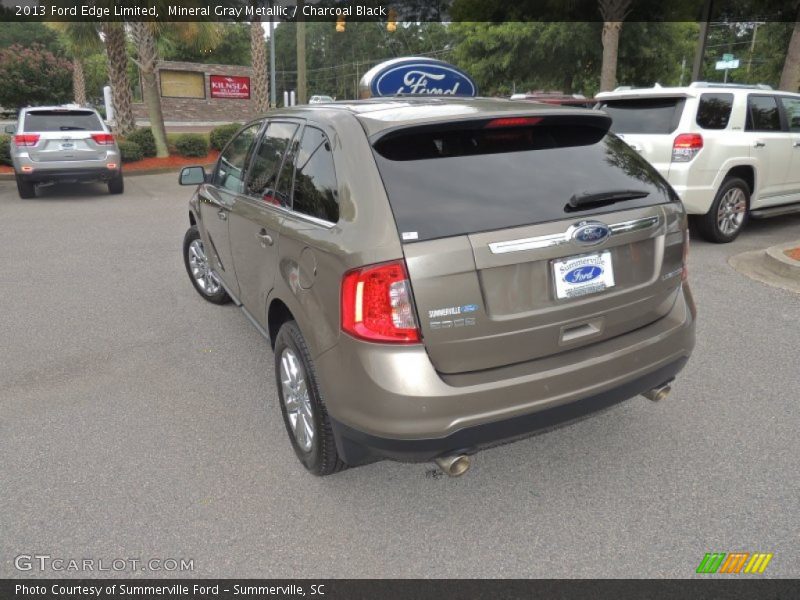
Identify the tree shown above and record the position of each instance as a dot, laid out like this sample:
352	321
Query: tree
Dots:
80	39
302	92
613	13
790	76
33	76
259	87
22	33
117	53
233	47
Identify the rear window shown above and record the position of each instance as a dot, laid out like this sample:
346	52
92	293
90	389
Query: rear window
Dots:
454	181
62	120
714	110
645	115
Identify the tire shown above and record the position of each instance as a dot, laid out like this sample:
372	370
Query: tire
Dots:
25	188
116	185
203	279
318	451
728	213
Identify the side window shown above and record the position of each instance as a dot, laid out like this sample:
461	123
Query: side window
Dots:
714	111
261	180
234	159
792	108
762	114
315	190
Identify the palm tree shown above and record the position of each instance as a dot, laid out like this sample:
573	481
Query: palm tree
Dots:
613	13
790	76
80	41
258	57
301	55
117	54
145	36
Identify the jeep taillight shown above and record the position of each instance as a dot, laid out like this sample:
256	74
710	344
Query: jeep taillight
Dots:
26	139
103	139
686	146
377	304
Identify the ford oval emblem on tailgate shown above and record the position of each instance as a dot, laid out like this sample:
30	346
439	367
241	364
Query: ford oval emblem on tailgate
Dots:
583	274
590	233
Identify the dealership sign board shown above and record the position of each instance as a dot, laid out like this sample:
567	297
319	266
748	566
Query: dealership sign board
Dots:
416	76
227	86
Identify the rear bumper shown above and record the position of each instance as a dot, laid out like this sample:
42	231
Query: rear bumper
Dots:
69	174
390	402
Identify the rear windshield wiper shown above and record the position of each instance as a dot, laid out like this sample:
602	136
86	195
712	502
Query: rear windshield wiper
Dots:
593	199
72	128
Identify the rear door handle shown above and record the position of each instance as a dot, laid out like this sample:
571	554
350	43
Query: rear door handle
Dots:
265	238
222	214
759	144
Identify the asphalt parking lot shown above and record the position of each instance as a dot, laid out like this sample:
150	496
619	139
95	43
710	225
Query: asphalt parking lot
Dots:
137	420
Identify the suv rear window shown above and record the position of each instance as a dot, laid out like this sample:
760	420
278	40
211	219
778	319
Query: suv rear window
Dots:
62	120
714	110
645	115
456	180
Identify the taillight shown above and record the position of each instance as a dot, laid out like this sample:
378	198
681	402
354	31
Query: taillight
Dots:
377	304
512	122
104	139
26	139
686	146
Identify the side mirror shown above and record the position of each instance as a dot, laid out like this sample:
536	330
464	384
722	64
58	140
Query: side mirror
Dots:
10	129
192	176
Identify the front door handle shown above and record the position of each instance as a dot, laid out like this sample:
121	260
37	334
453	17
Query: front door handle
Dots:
759	144
222	214
265	238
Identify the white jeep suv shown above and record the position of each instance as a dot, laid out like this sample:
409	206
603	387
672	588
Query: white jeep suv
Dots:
728	150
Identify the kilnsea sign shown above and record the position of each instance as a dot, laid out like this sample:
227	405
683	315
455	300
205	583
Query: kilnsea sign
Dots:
229	86
417	76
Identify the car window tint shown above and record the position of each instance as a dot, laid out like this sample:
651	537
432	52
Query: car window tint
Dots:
315	190
267	161
62	120
762	114
792	108
234	158
714	110
645	115
458	180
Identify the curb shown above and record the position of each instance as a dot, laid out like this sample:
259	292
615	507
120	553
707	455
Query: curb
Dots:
780	264
770	266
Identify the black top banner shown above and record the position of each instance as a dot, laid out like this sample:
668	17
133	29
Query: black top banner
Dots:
396	589
399	10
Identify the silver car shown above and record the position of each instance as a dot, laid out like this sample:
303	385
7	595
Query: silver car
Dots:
63	143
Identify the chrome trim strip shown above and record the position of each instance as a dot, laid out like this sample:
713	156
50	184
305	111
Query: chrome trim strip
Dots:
558	239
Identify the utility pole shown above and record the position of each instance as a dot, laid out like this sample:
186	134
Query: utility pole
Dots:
700	53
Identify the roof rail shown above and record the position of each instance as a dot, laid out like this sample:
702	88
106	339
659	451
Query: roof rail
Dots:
756	86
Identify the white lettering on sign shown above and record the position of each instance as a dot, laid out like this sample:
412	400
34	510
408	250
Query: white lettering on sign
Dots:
417	82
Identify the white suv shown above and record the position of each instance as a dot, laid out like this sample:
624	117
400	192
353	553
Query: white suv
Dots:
728	150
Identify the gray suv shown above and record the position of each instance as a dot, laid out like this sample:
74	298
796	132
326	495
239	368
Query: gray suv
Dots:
63	143
439	275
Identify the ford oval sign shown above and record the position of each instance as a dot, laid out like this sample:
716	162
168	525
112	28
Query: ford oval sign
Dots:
583	274
414	75
590	233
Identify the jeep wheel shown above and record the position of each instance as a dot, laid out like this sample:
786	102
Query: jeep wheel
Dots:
26	189
303	409
116	185
204	280
728	214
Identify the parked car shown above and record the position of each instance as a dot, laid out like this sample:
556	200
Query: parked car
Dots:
436	275
730	151
63	143
320	99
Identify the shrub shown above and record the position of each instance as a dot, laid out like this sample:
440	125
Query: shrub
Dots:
32	75
5	149
191	144
221	135
130	151
143	137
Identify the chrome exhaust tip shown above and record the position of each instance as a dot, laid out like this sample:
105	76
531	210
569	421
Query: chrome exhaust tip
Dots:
658	393
454	465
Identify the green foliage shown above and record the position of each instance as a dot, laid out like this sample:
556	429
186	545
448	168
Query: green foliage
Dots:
33	76
221	135
191	144
22	33
233	47
143	137
5	149
95	69
130	151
